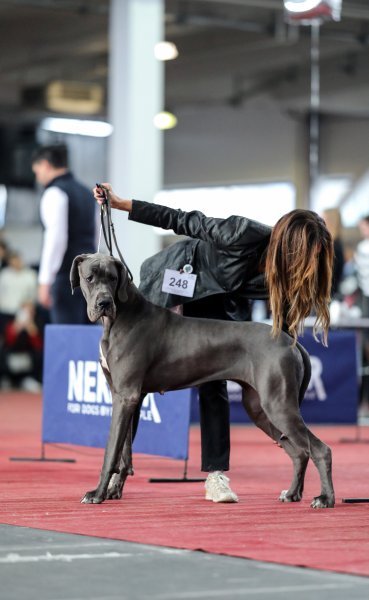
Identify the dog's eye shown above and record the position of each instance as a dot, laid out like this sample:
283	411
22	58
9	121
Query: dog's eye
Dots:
113	278
89	278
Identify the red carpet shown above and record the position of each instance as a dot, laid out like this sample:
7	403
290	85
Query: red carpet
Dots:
46	496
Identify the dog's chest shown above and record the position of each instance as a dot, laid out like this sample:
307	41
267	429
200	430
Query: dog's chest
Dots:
104	364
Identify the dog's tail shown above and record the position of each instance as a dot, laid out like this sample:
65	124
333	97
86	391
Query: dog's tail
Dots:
307	371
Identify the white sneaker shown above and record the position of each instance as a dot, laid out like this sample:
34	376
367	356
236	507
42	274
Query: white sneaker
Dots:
217	488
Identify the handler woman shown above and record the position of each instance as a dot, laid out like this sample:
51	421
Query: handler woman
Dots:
235	260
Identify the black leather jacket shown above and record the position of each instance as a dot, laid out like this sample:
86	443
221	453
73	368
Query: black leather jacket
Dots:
225	255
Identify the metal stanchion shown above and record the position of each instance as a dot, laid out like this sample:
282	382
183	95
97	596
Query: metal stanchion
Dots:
183	479
41	458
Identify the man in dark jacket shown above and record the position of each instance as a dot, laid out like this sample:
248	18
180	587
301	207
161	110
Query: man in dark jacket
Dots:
68	214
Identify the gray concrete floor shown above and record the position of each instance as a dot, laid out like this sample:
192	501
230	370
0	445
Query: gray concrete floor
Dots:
44	565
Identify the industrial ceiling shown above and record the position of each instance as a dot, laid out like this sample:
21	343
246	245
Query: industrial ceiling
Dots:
229	51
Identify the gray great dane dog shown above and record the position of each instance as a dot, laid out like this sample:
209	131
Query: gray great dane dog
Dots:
145	348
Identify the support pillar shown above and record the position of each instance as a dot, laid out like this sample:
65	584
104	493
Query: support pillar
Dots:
136	94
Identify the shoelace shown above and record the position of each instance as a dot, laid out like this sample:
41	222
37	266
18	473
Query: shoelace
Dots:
221	482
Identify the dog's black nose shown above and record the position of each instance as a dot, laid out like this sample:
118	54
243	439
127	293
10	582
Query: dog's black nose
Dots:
104	303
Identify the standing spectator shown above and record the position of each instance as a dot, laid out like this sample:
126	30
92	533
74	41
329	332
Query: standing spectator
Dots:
68	213
362	263
3	254
361	259
332	218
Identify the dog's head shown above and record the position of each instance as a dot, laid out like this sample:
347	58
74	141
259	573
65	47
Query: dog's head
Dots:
103	280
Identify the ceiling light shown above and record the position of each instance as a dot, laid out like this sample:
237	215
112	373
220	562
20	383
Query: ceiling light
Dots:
301	5
77	127
165	120
74	97
302	10
165	51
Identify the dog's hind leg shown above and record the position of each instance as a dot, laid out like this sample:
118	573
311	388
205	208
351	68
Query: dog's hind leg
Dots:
283	412
300	462
251	402
321	455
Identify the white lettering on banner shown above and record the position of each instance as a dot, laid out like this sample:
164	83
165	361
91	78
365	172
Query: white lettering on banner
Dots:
316	389
90	381
105	411
87	387
234	391
149	410
75	380
88	409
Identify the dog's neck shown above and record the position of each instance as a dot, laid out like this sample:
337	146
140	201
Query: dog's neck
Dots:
135	298
106	322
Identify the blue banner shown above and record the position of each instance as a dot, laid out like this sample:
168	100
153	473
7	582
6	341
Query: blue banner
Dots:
77	403
333	392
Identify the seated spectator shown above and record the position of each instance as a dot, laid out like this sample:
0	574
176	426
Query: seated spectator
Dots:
22	349
18	284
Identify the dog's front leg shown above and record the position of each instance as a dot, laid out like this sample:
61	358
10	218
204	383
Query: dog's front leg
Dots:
123	408
117	480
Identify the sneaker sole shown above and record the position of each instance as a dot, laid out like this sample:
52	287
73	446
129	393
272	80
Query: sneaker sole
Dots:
225	501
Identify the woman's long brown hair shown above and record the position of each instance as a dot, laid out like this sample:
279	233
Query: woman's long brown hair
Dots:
298	272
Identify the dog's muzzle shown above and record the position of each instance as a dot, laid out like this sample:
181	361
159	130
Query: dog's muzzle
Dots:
104	307
104	304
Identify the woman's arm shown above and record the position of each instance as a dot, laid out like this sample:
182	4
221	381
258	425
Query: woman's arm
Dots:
221	232
195	224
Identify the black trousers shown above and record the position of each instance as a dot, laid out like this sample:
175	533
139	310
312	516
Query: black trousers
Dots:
213	399
214	424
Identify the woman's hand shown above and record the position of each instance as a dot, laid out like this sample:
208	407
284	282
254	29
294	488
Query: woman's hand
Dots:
115	201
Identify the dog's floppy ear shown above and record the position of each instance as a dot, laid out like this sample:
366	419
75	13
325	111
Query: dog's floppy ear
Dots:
74	273
123	281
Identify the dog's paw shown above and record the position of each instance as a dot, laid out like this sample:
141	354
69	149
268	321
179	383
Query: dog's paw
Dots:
114	493
116	484
92	498
286	496
322	501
